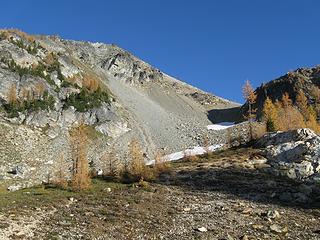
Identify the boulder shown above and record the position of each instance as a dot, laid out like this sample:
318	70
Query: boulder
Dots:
295	153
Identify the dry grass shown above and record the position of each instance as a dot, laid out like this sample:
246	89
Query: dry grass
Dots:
39	89
161	163
189	157
50	58
73	79
91	83
9	32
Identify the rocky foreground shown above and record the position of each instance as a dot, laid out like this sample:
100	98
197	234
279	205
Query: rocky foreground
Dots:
228	195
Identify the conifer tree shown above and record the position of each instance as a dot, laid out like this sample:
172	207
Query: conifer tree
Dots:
302	104
12	95
289	117
137	165
250	96
80	174
270	114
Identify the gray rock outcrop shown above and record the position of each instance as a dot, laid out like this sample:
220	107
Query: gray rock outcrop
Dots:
295	154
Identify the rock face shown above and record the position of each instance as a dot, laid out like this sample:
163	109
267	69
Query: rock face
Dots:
295	154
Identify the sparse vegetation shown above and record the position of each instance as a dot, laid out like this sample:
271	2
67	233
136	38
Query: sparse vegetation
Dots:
91	83
161	164
39	70
86	100
31	48
189	157
29	101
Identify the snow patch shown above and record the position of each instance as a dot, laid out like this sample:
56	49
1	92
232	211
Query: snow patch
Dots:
220	126
190	152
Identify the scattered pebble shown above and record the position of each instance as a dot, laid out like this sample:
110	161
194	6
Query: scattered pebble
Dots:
202	229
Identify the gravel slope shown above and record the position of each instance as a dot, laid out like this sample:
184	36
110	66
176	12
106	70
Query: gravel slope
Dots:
164	118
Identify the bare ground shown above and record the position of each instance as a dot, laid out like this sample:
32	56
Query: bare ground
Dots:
225	194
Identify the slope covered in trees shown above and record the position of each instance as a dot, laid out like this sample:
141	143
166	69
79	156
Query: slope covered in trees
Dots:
305	80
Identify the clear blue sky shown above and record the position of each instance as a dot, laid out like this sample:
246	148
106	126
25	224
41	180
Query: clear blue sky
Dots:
214	45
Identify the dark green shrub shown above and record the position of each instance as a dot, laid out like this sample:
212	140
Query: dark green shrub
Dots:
46	103
86	100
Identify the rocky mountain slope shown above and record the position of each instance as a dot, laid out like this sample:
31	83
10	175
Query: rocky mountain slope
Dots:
305	79
48	84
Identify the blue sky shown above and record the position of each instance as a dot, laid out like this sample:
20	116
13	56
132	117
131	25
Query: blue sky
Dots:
214	45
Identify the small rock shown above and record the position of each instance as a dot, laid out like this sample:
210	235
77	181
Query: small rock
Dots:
278	229
257	226
229	237
247	211
71	199
187	209
273	214
14	188
244	237
202	229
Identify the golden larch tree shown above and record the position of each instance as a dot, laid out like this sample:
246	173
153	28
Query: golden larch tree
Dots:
80	172
137	165
270	114
289	117
250	96
12	97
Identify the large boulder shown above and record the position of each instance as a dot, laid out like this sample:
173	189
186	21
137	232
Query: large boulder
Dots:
295	153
